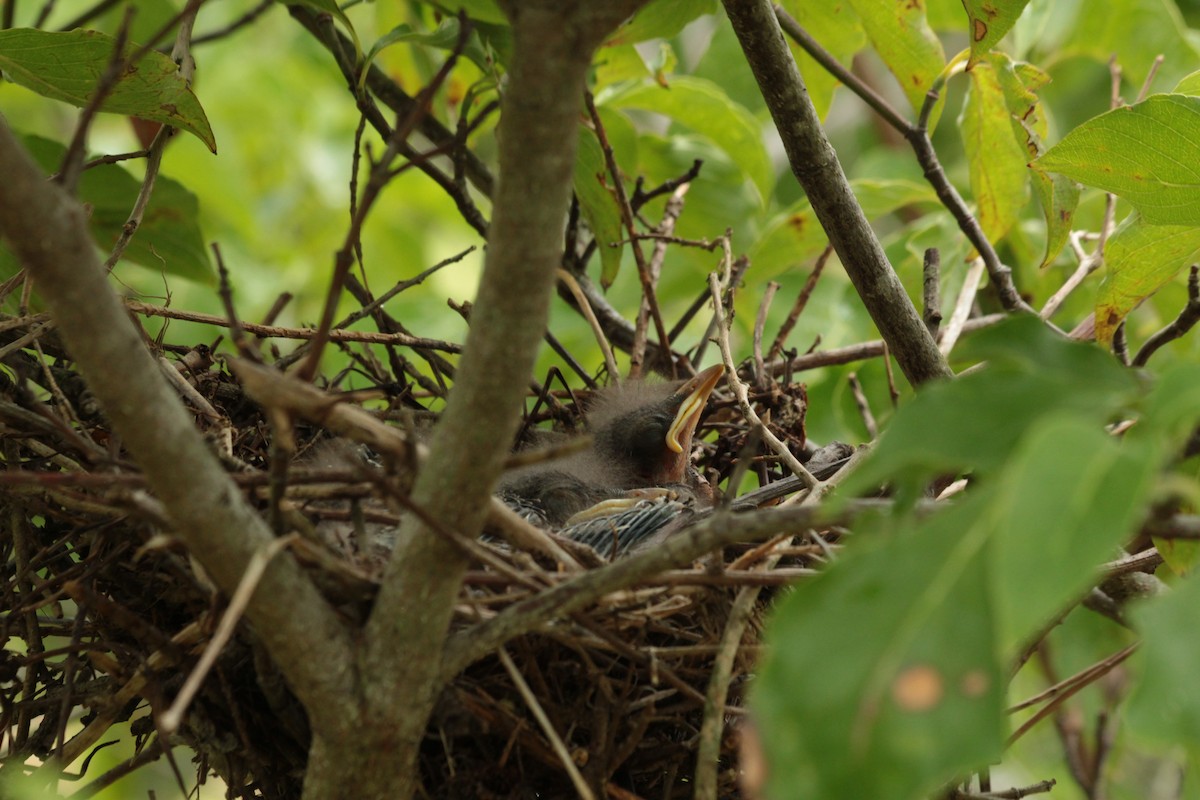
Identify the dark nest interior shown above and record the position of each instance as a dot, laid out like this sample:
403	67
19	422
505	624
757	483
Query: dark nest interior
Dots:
106	615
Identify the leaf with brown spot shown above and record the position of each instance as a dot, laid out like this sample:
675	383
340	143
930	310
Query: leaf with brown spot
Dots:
67	66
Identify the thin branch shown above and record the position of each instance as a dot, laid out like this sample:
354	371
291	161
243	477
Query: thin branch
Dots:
717	288
918	138
712	729
639	258
674	207
72	163
556	742
585	308
679	550
381	174
859	352
1187	319
170	720
810	285
1087	265
761	381
275	331
239	23
864	407
1059	693
962	307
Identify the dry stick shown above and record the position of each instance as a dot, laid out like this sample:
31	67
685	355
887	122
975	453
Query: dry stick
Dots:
81	742
760	320
274	390
861	351
893	392
1188	317
715	530
918	138
376	304
716	287
22	342
618	187
712	729
962	307
864	408
585	308
169	722
1087	265
277	332
1062	691
801	302
556	742
637	353
193	396
236	332
1041	787
322	28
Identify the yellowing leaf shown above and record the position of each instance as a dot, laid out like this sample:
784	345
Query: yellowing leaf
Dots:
996	161
904	41
1141	258
989	21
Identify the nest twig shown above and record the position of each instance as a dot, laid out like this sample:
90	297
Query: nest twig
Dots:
105	615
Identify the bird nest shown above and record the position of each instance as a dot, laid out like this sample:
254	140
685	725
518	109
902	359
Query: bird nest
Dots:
106	615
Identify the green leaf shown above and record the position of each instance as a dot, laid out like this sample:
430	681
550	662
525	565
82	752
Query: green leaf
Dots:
1169	414
996	160
910	691
1190	84
703	107
912	628
481	10
1141	258
990	21
975	422
444	38
1135	32
794	235
1165	705
905	43
615	65
1148	154
660	19
1058	194
332	8
169	237
598	203
67	66
838	29
1065	501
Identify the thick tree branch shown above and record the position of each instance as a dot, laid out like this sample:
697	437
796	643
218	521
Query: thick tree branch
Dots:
48	231
400	659
815	165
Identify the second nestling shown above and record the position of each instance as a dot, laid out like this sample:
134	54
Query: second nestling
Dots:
641	448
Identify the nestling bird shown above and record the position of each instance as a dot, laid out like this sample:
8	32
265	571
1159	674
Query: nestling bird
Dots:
641	449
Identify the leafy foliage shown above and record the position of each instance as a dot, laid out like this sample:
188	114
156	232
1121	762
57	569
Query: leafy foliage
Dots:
891	674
